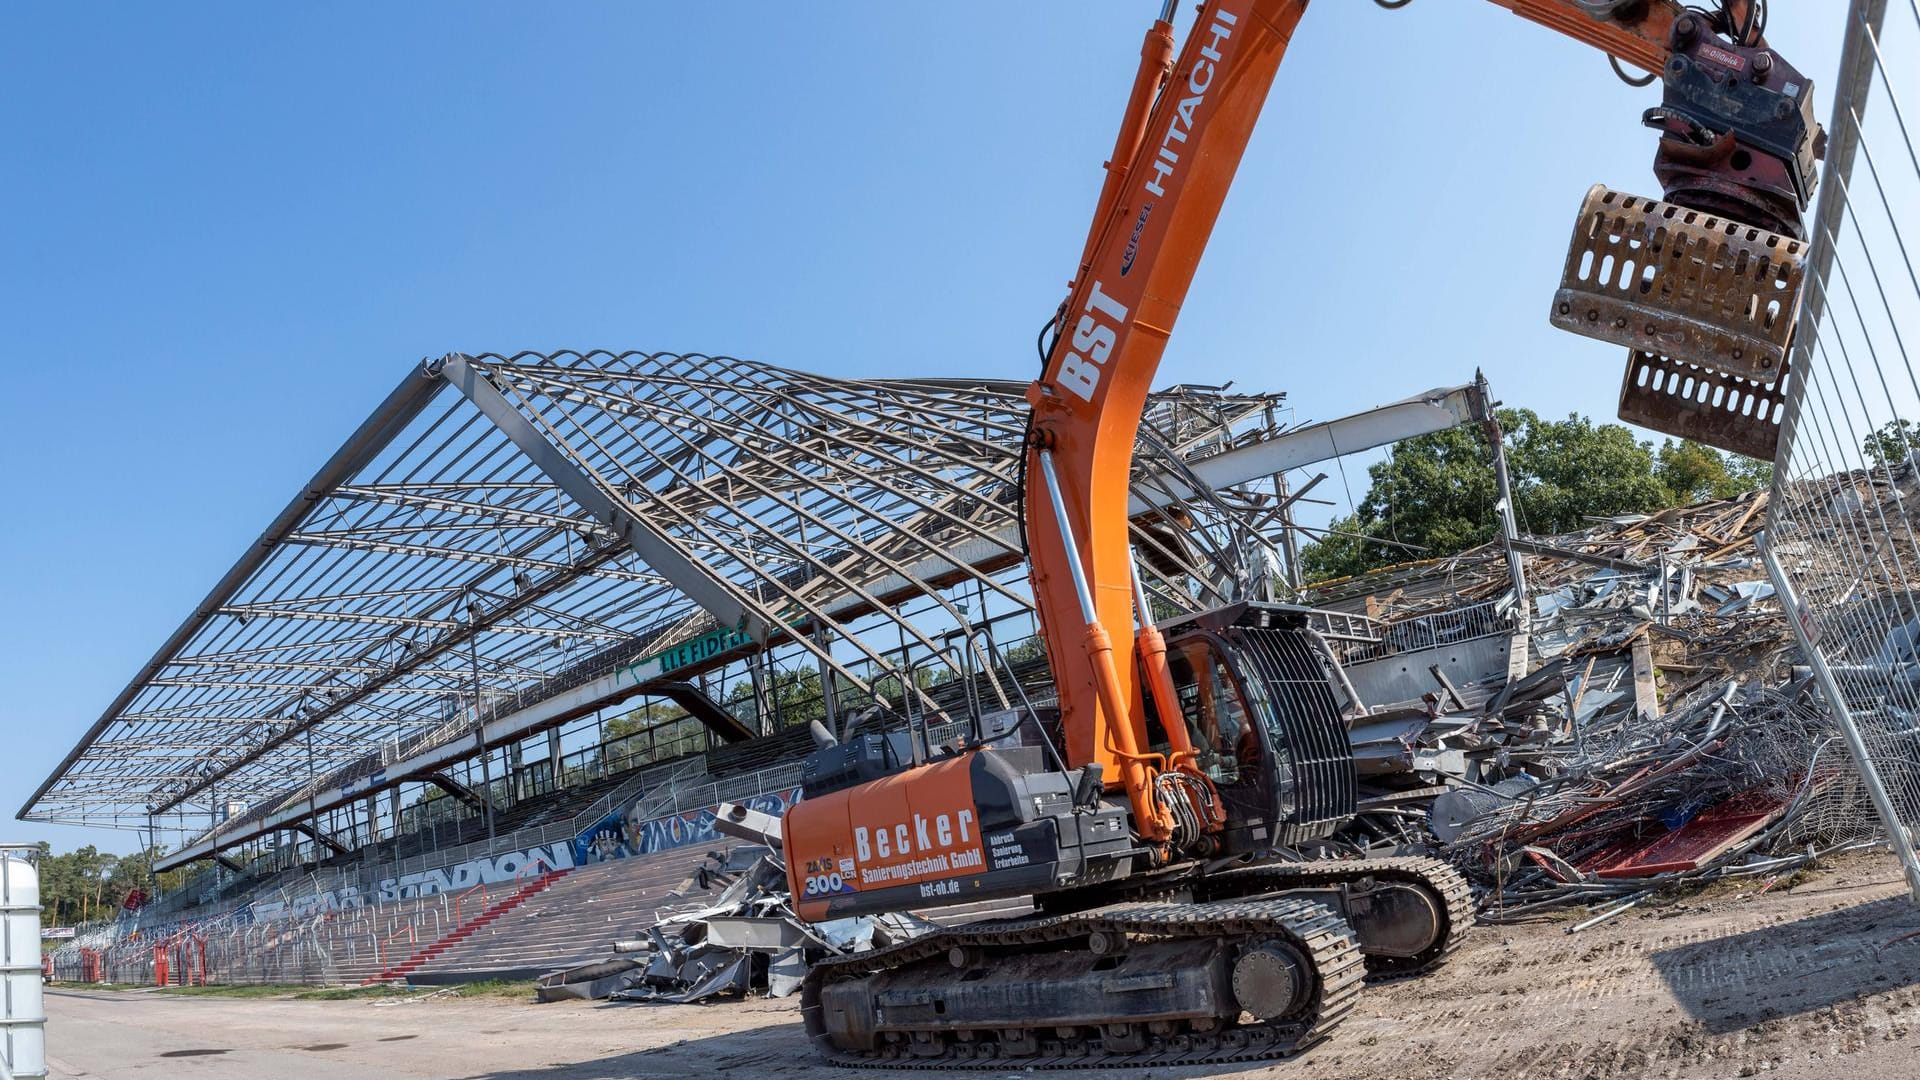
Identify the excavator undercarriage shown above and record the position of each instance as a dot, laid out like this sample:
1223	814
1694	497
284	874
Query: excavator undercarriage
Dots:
1168	983
1244	964
1223	951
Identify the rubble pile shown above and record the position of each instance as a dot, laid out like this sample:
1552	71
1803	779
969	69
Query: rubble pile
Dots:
1642	722
1746	782
1651	729
744	939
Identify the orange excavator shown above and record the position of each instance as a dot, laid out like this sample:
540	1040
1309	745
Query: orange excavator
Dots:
1162	821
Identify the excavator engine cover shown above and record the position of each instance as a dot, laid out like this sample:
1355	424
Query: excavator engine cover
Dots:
984	824
1704	305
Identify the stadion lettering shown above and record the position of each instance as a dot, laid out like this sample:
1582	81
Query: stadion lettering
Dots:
488	871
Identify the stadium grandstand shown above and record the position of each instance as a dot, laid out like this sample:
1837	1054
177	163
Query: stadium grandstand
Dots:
465	708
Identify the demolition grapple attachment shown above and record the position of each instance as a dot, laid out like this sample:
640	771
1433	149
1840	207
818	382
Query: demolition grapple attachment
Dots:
1688	285
1703	287
1705	307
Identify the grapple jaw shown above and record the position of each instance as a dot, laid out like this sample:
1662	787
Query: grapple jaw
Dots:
1704	305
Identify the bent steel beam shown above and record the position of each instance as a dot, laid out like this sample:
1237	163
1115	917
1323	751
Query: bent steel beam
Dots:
320	837
704	709
453	787
1422	414
660	553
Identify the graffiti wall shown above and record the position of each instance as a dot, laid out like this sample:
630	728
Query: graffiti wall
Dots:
696	826
605	840
617	836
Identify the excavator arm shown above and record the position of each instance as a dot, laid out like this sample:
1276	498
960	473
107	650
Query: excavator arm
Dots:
1186	125
1144	249
1633	31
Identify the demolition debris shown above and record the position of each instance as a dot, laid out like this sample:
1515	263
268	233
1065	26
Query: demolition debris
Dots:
1625	716
745	939
1644	726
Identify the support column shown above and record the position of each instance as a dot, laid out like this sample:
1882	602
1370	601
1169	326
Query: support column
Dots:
828	701
756	666
479	723
1289	543
1509	530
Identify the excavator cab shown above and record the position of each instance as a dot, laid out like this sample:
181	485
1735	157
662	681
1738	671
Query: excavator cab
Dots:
1259	710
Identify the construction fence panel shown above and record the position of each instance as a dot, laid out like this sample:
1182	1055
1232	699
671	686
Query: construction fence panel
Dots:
1842	541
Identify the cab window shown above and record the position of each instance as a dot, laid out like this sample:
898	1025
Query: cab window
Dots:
1215	714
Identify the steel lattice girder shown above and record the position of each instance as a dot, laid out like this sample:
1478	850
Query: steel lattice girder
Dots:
664	496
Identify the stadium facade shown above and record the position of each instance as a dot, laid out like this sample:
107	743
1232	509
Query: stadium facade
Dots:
542	612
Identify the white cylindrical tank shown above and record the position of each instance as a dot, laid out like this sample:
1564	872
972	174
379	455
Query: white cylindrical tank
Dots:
23	1016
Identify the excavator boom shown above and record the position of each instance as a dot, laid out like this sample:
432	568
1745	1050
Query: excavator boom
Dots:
1112	329
1155	216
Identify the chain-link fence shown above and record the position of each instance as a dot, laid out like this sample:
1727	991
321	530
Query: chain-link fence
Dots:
1843	545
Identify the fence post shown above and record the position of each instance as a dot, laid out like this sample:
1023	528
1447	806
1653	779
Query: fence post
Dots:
1797	618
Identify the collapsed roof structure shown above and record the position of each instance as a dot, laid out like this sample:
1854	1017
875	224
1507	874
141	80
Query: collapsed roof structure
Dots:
547	534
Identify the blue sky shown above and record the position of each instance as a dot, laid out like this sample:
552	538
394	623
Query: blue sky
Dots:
231	228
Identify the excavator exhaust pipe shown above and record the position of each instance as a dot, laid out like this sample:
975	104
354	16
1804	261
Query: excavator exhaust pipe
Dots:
1704	305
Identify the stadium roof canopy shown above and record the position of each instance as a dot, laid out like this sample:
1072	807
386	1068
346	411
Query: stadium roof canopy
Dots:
505	527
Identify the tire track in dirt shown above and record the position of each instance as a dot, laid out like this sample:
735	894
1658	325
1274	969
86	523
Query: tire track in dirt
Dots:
1727	984
1789	985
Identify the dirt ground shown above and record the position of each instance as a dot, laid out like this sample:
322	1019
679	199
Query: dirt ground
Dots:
1820	981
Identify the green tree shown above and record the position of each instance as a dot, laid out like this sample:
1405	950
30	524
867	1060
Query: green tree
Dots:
131	872
1436	495
1892	444
793	697
1694	472
1568	470
652	714
667	721
1350	546
87	884
796	697
74	887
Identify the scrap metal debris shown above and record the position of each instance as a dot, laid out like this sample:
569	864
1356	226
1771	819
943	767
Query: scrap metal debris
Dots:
1640	725
1627	719
743	940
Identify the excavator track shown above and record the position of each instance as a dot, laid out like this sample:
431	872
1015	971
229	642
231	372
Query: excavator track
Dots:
1439	879
1320	936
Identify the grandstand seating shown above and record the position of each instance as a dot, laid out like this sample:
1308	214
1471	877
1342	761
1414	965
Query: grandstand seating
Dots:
526	814
476	924
575	920
781	747
509	929
578	919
